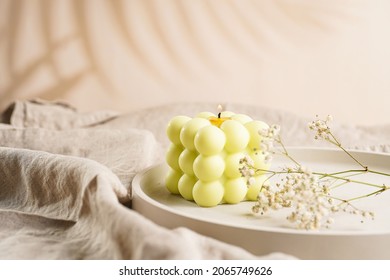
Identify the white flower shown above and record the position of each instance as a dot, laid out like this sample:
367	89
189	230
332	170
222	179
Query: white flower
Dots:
329	118
321	127
301	191
306	193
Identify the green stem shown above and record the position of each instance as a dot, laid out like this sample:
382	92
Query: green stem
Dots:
269	177
370	194
347	179
350	171
339	185
338	144
384	188
377	172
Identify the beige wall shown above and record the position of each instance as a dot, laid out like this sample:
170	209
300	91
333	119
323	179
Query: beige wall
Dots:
308	57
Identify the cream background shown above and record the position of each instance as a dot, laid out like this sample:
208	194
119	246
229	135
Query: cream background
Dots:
307	57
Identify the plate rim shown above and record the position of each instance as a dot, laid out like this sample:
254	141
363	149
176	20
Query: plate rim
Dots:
137	191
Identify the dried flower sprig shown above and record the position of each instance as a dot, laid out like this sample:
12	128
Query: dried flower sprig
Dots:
308	193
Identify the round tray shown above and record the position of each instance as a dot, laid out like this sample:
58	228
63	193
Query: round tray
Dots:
348	237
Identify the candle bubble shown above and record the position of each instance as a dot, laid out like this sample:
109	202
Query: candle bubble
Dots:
186	185
210	140
172	180
208	194
235	190
174	127
209	168
189	130
237	136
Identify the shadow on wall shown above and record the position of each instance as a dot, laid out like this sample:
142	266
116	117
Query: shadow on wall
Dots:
131	54
31	24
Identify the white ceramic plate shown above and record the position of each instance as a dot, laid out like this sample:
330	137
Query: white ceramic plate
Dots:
348	238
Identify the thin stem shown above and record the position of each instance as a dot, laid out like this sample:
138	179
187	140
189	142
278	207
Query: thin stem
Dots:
384	188
378	172
345	182
347	179
269	177
339	185
338	144
322	175
361	171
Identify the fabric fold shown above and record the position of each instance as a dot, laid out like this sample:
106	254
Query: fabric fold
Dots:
48	185
58	128
52	115
125	152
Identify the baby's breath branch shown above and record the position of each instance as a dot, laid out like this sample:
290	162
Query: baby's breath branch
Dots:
308	193
347	203
324	132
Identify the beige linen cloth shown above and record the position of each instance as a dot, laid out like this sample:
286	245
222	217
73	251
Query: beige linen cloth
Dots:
65	181
65	190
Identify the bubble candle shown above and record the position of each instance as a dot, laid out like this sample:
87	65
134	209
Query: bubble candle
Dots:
204	156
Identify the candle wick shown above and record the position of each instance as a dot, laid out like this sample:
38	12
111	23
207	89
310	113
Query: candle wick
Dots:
219	115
